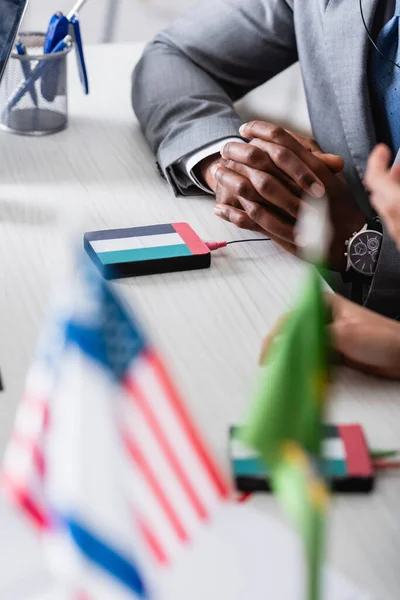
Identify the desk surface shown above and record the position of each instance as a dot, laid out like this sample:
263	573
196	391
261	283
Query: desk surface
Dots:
209	324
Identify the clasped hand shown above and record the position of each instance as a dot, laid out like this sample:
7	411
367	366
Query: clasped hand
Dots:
260	186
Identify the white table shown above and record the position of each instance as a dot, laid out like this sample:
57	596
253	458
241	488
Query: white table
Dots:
209	324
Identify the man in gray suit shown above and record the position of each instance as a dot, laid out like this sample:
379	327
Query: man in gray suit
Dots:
191	74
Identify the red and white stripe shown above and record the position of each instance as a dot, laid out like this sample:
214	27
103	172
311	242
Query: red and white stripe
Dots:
175	485
24	464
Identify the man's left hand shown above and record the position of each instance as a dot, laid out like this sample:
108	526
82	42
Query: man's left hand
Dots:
363	339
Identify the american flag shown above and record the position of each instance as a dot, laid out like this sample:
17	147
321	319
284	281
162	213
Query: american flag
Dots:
98	390
24	467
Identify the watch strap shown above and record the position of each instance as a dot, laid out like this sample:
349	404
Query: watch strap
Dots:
347	276
358	282
375	224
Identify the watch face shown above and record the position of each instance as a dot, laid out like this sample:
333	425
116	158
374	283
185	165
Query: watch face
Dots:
363	251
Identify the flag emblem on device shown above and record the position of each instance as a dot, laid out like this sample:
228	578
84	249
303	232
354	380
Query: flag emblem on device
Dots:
346	461
143	250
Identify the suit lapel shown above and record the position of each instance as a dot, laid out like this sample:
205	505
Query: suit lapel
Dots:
347	49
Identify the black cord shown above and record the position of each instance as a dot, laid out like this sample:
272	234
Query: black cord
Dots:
253	240
372	41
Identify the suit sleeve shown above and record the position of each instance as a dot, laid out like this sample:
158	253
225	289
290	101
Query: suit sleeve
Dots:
189	77
384	293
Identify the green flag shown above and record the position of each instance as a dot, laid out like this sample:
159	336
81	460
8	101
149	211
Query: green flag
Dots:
304	496
285	423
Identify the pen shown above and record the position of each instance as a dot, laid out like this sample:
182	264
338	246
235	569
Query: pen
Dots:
37	72
58	28
26	69
80	4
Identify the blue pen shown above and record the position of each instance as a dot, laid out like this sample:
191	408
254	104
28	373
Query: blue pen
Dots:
80	57
59	27
26	69
37	72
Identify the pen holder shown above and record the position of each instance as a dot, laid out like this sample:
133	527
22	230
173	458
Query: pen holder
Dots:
34	90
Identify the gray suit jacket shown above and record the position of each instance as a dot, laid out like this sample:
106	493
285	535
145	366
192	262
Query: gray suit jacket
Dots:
190	75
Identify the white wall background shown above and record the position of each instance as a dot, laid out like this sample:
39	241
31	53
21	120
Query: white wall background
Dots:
135	20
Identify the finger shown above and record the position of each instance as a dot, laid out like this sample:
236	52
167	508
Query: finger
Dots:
340	331
243	221
367	369
342	360
223	196
340	336
386	201
395	172
344	310
389	211
378	165
268	188
237	217
308	143
249	155
293	166
272	337
277	226
337	304
286	181
334	163
252	156
235	183
267	132
364	349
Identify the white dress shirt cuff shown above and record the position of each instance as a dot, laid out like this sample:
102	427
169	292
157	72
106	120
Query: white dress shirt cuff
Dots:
189	162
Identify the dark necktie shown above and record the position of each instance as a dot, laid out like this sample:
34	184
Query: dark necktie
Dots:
385	83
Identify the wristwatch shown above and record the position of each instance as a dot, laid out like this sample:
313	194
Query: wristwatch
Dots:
362	253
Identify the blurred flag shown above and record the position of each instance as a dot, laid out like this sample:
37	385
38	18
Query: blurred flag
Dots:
294	380
103	447
107	463
24	467
285	424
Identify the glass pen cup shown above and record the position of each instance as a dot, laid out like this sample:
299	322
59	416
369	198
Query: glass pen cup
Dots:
34	90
